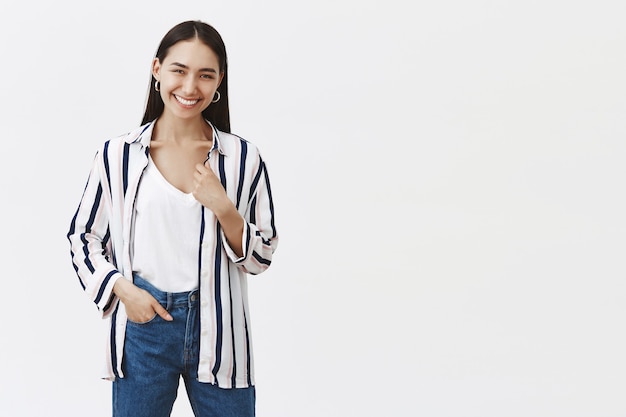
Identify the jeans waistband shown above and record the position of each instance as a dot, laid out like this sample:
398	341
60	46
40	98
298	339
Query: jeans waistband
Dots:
168	299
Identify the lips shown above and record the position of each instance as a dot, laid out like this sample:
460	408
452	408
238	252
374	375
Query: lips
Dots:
186	102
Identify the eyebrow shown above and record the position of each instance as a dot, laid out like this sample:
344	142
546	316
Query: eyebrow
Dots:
178	64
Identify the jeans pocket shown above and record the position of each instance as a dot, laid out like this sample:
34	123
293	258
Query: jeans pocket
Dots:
143	323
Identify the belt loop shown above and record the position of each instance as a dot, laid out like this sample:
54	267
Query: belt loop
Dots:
169	301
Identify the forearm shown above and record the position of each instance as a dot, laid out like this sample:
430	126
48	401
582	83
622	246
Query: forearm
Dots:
88	237
232	224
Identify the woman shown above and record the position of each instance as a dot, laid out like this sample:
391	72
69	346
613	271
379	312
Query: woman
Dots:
175	214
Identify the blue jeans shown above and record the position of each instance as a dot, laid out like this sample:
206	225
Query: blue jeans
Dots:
158	353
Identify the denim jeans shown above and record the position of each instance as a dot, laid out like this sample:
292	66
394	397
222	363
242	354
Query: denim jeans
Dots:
158	353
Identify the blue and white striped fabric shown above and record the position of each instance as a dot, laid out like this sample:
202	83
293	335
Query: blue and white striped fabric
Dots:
101	239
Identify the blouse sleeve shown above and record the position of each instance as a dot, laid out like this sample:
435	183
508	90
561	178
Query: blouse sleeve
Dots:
259	239
90	243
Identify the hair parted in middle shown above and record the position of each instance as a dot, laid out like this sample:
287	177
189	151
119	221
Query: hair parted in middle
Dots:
217	113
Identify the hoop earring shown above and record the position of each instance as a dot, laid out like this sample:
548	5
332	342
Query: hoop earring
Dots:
219	96
156	86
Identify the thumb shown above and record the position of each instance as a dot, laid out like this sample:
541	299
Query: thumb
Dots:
158	308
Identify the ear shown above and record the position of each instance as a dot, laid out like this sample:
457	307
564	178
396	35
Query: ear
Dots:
156	69
220	80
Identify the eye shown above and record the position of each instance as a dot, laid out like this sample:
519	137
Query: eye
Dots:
178	71
207	76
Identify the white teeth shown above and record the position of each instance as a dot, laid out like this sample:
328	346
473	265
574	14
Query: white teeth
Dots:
186	102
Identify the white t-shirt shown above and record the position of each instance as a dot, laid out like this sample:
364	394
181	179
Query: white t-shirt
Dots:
166	234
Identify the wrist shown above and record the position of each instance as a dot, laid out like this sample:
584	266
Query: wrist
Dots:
122	288
225	209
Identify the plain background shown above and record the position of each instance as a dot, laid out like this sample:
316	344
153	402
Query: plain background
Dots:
448	178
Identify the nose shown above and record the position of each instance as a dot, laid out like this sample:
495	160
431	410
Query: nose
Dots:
189	85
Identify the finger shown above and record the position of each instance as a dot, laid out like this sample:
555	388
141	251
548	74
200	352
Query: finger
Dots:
201	168
206	170
158	308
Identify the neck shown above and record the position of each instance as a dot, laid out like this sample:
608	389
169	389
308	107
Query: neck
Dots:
170	128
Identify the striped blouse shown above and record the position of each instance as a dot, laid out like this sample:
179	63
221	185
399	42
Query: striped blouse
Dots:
101	242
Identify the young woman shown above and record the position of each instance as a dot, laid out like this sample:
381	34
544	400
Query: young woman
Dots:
174	216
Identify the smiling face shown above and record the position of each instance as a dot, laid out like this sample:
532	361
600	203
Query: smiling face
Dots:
189	76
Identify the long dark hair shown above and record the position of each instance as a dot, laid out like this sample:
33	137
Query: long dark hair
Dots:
216	113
